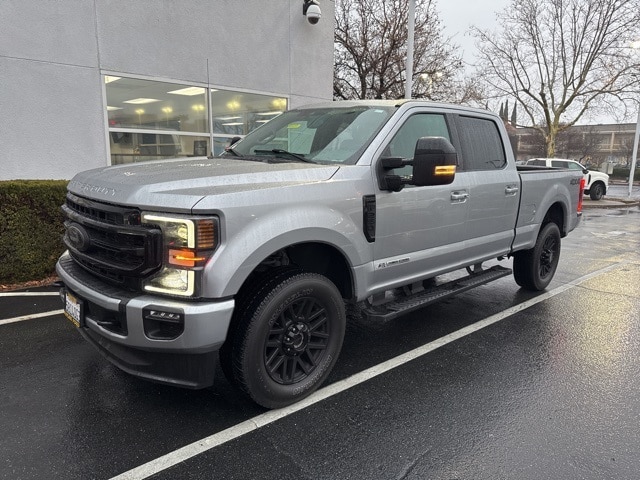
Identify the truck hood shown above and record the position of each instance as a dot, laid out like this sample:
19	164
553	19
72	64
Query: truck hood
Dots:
177	185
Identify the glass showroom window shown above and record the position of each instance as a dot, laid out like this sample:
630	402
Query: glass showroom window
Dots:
234	114
151	120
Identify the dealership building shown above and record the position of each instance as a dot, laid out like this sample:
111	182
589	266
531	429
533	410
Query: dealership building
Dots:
89	83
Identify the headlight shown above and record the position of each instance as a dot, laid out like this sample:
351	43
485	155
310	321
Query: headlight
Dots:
188	243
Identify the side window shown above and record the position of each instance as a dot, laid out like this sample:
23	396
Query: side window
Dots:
540	163
481	144
403	143
564	164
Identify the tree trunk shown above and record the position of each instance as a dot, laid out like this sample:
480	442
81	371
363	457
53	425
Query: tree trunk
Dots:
550	140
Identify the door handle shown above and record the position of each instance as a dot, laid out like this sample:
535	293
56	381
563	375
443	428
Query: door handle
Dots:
511	190
459	196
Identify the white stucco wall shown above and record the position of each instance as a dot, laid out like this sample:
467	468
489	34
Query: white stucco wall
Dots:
52	125
52	54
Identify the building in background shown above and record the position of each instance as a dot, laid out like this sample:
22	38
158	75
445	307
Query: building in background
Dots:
87	83
596	146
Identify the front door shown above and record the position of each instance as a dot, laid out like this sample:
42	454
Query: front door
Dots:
419	230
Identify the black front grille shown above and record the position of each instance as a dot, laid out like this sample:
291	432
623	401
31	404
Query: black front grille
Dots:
102	212
110	241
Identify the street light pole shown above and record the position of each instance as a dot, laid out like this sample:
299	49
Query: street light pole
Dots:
411	23
635	45
634	155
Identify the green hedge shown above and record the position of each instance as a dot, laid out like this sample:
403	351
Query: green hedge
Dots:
31	228
623	174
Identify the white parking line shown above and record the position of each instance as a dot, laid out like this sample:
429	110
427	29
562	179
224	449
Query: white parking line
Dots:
29	294
34	315
30	317
180	455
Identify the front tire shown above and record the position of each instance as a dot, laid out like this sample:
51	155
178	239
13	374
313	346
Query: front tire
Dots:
289	335
534	269
596	192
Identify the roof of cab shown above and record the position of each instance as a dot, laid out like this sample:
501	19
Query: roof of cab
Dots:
394	103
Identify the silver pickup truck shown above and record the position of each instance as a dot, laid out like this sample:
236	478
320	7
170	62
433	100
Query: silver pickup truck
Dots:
253	258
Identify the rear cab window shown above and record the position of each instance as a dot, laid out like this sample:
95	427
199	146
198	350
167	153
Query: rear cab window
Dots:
481	143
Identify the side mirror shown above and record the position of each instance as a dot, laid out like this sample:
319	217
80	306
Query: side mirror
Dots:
434	162
585	170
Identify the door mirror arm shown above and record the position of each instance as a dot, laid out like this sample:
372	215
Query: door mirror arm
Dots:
390	182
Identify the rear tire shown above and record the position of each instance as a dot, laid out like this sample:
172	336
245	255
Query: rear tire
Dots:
534	269
287	338
596	192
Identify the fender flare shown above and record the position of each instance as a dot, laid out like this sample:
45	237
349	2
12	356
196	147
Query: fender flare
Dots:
251	245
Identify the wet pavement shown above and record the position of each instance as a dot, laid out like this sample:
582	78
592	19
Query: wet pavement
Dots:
547	389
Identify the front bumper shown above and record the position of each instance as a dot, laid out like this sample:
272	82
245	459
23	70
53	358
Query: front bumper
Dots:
113	322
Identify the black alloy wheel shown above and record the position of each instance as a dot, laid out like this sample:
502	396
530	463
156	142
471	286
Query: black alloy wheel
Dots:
297	341
548	256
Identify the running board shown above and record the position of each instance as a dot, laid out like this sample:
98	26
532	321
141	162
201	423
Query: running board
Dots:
395	308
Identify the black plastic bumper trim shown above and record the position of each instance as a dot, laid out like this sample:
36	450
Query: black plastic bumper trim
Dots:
188	370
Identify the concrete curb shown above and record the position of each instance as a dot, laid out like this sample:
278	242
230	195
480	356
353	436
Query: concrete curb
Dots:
611	203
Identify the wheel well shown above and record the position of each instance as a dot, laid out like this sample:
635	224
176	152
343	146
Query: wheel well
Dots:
311	257
556	215
599	182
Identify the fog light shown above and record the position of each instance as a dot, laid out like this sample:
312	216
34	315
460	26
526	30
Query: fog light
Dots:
162	324
173	281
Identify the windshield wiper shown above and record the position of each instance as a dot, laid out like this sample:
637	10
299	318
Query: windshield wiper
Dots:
284	152
231	151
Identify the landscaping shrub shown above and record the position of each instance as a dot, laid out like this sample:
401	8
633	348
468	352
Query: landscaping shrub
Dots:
31	228
623	174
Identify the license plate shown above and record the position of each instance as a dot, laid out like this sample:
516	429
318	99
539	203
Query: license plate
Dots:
73	308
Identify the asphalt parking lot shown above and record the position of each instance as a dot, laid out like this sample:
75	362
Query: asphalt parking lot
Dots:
495	383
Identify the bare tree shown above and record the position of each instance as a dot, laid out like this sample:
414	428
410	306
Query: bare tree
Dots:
531	143
370	52
581	143
562	59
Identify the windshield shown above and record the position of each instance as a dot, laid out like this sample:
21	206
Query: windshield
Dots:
318	135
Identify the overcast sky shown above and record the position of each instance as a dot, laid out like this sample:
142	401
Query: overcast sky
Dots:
458	15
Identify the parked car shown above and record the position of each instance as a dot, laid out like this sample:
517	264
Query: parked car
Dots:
596	183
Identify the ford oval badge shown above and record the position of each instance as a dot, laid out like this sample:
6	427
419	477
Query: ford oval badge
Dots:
78	237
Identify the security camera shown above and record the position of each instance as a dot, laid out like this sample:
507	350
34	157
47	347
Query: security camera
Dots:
313	14
312	10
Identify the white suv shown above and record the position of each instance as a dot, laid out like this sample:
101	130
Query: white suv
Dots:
597	183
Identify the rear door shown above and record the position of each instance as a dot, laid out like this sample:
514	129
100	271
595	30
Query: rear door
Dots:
494	186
